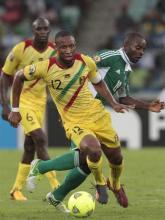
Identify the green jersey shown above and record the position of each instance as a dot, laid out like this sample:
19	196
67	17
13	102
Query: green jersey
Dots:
115	68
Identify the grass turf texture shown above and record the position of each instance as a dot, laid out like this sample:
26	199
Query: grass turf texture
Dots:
144	179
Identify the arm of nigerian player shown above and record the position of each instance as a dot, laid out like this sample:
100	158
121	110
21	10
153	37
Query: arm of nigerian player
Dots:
103	90
155	106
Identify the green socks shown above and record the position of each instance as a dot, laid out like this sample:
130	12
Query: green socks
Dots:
65	162
74	178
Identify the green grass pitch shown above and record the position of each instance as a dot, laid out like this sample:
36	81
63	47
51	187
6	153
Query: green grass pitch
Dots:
143	177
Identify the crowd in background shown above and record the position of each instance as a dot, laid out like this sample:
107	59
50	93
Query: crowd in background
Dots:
16	17
147	17
144	16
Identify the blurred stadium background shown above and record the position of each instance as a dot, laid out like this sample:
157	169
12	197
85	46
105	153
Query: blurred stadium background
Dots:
97	24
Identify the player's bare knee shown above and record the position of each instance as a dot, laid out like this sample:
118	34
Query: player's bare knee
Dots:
116	159
94	153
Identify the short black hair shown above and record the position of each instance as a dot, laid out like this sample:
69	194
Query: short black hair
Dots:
63	33
40	19
131	36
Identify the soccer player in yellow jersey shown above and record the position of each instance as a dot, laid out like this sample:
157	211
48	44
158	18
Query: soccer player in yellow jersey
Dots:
32	100
85	119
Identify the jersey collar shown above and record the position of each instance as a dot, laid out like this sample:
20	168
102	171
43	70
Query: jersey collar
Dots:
126	59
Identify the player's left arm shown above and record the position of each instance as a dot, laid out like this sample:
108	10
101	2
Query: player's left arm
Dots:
155	106
103	90
29	73
125	98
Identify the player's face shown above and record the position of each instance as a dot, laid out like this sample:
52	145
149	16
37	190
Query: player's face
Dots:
135	49
41	31
66	48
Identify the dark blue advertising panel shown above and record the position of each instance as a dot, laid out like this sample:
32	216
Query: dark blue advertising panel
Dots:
8	135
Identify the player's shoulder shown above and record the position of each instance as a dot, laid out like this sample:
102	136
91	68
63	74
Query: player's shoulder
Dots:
86	59
19	45
107	55
52	61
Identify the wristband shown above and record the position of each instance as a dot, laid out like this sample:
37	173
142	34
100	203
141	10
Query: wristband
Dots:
16	109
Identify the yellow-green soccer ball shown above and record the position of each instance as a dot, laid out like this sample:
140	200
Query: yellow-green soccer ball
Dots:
81	204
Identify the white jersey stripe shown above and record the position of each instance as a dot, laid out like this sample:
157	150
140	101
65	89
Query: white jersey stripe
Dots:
109	56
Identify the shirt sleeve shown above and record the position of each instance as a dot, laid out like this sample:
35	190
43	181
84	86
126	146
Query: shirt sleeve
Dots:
93	75
13	59
103	59
37	70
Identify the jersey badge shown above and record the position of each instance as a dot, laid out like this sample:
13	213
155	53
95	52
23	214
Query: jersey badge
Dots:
97	58
67	76
32	69
11	56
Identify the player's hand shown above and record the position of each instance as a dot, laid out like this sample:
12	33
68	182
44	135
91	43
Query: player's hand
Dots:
5	112
121	108
156	106
14	119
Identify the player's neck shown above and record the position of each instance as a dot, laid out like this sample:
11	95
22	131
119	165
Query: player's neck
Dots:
64	64
40	46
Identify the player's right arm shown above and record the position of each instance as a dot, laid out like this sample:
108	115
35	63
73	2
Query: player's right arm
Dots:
8	71
29	73
5	82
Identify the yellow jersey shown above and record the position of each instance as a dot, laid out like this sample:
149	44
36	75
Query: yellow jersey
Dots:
69	88
23	54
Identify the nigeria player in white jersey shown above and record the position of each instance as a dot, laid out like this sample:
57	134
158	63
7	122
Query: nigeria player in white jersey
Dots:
118	64
115	67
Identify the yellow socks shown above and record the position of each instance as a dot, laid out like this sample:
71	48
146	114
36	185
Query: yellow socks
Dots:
52	179
96	169
22	173
116	171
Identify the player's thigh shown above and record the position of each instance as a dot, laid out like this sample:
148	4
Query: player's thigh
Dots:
81	136
106	133
31	119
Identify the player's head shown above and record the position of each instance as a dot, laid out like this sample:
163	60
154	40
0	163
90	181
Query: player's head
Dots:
134	46
41	29
66	46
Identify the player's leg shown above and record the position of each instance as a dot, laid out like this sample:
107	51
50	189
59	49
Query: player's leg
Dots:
83	136
74	178
116	164
115	160
32	121
40	142
92	147
23	170
66	161
112	150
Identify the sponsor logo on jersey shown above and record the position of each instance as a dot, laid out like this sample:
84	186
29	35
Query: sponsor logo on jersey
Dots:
32	69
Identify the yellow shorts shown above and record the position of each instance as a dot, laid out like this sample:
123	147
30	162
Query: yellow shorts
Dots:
32	119
101	129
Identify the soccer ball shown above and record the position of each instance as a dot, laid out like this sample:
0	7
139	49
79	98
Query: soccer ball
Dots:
81	204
